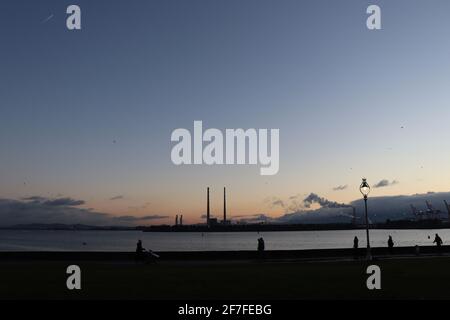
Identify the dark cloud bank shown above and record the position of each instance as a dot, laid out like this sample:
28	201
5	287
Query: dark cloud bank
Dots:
40	210
380	208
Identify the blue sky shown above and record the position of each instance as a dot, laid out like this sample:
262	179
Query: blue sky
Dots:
88	114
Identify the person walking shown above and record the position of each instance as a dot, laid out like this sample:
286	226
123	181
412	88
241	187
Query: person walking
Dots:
438	242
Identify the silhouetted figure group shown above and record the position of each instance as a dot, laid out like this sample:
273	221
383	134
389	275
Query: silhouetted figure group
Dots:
140	251
390	243
143	255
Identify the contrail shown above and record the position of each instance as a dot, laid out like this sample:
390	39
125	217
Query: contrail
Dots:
48	18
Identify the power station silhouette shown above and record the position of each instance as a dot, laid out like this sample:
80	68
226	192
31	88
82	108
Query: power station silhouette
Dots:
209	220
213	221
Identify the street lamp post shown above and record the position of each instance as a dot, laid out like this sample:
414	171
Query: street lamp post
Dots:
364	188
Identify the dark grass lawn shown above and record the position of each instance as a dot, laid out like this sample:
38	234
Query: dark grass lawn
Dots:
421	278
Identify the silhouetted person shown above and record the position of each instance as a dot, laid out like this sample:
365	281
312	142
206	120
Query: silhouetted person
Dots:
261	247
355	247
391	245
355	242
140	251
438	242
145	255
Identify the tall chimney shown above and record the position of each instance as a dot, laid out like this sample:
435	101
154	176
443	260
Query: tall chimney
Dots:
181	220
224	206
176	220
207	206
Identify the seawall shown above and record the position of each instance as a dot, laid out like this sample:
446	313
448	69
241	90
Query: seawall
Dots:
216	255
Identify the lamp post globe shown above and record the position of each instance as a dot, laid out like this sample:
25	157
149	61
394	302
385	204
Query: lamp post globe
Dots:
364	188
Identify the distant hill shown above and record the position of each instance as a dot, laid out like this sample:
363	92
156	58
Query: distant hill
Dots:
60	226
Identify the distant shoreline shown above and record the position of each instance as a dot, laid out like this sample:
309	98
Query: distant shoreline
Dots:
388	225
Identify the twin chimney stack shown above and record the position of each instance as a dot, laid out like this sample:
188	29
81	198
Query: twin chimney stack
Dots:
208	212
179	222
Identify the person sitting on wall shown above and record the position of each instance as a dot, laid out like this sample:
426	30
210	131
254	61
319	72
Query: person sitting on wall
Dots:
140	251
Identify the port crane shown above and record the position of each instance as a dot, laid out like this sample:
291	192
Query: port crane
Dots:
417	213
430	213
447	206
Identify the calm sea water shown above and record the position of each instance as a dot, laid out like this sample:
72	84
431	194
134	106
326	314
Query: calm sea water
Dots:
13	240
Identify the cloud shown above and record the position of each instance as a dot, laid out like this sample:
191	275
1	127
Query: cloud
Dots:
273	202
36	209
314	198
294	203
278	202
117	198
134	218
45	211
299	210
299	202
35	199
385	183
64	202
54	202
341	187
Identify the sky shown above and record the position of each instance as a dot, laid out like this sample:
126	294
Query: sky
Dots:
87	115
